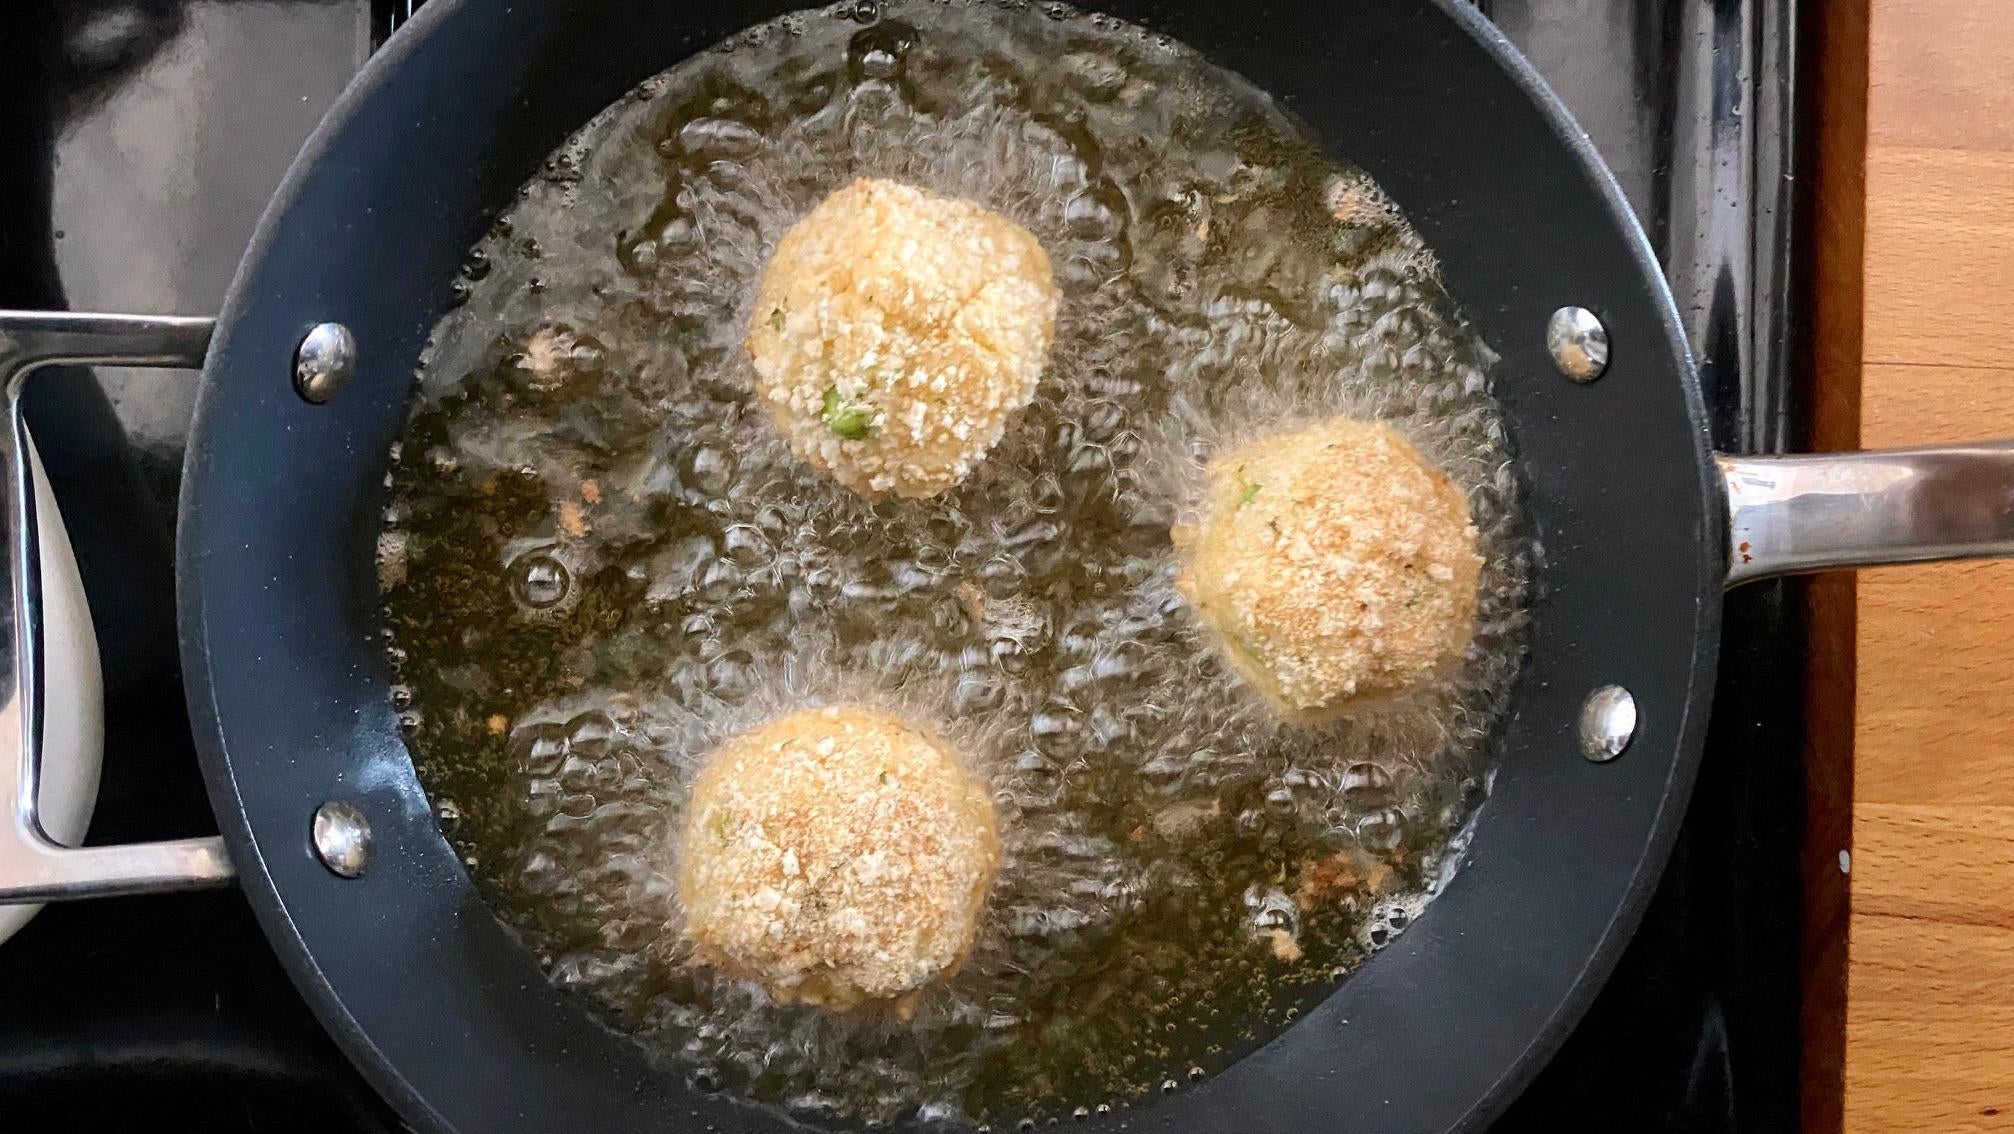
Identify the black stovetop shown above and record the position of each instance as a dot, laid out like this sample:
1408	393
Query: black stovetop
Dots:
138	142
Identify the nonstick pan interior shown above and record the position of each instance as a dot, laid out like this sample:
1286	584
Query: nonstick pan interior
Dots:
437	1001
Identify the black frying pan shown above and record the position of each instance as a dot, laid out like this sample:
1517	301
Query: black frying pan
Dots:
449	1015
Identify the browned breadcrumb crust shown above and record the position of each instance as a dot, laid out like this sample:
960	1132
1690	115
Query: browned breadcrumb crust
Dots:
836	856
918	323
1337	567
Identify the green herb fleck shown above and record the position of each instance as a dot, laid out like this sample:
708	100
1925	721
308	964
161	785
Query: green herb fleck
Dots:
776	320
847	422
1249	489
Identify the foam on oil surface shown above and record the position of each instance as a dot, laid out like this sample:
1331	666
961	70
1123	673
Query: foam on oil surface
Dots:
600	559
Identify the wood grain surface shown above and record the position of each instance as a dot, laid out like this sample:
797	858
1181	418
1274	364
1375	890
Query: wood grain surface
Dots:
1928	1026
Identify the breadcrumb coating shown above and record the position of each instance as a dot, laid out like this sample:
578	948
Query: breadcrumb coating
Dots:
1336	566
896	331
836	856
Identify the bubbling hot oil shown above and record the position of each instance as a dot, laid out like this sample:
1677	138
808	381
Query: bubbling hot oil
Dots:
600	559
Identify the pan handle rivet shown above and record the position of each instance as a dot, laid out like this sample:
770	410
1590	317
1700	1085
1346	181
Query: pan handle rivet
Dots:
1607	723
324	361
1578	342
342	838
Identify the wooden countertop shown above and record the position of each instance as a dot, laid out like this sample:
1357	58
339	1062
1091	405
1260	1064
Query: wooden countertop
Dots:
1913	686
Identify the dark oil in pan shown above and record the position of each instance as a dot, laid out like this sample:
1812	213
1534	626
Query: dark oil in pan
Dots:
600	559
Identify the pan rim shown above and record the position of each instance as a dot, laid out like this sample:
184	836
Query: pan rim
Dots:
1699	702
255	876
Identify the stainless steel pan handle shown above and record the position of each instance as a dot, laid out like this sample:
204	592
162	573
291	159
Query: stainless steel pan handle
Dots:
1794	514
1786	514
34	867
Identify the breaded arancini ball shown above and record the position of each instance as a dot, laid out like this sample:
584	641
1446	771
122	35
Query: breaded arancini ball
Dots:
895	332
836	856
1336	566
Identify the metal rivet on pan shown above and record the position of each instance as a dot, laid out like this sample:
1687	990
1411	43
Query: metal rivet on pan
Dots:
342	838
1607	723
324	361
1578	342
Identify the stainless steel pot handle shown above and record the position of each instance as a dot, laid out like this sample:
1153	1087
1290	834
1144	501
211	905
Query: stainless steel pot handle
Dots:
1794	514
34	867
1786	514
